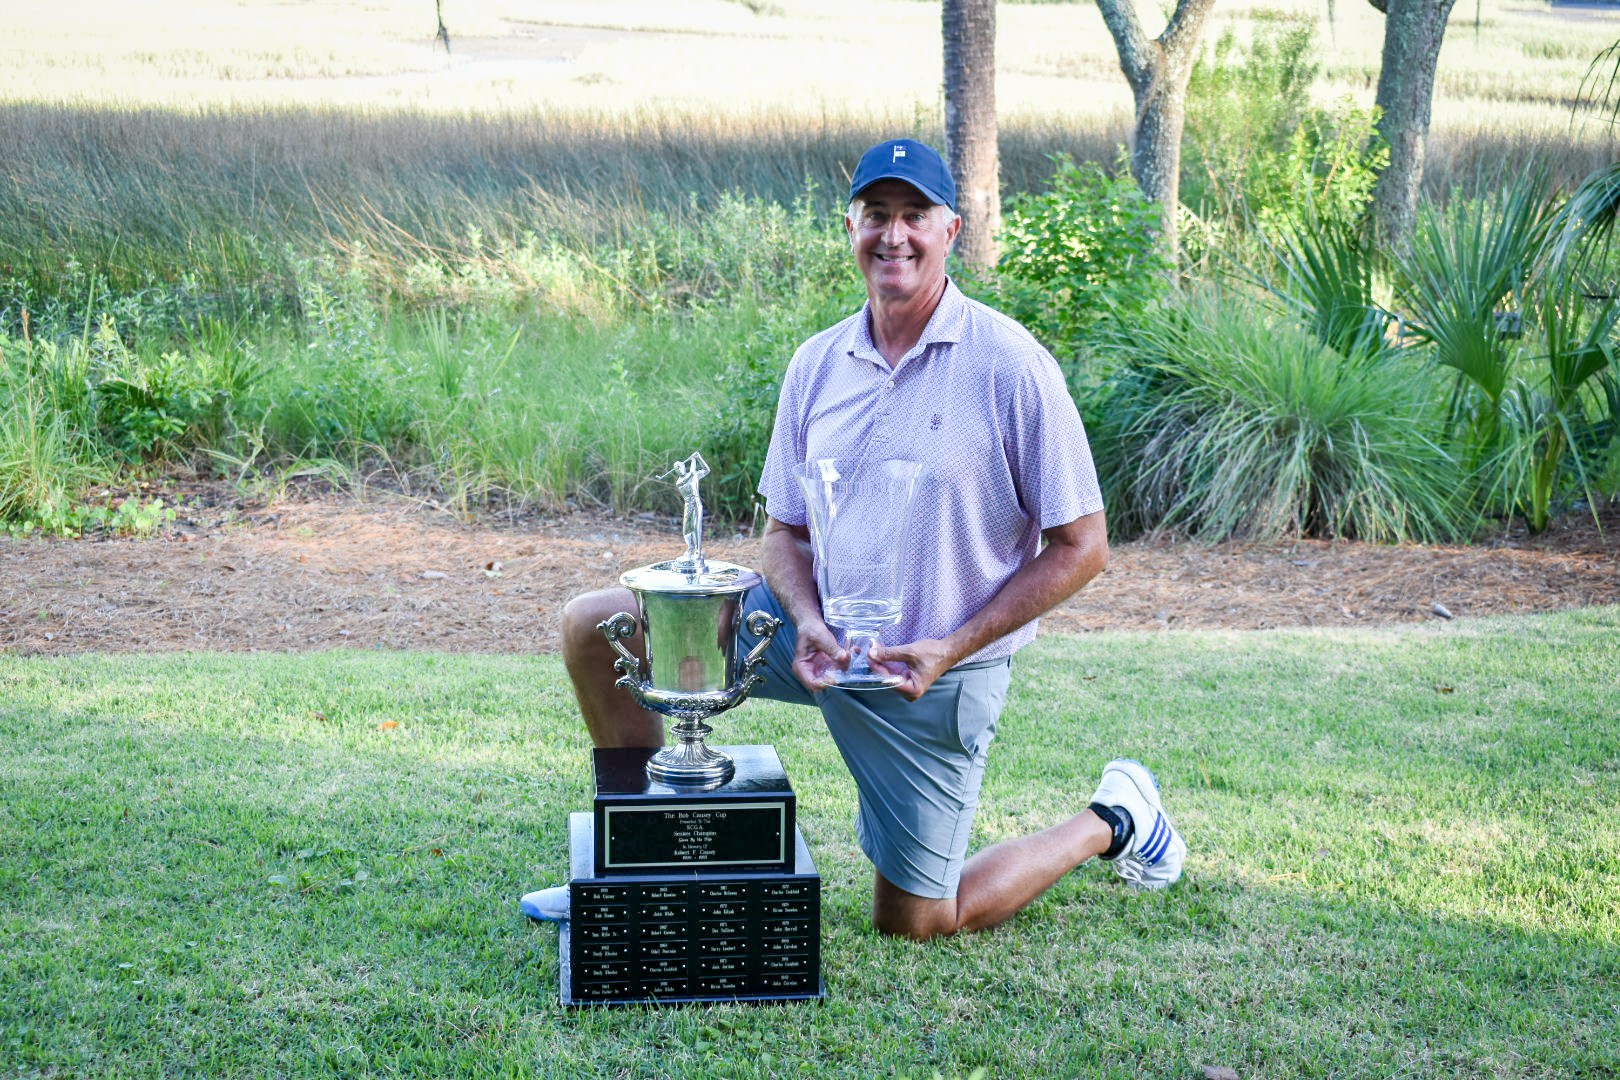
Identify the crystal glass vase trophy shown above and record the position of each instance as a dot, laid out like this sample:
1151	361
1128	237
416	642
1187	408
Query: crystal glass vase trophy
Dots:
858	515
689	879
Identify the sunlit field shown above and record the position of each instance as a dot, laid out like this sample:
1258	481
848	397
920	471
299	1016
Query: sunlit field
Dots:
248	121
266	118
1513	65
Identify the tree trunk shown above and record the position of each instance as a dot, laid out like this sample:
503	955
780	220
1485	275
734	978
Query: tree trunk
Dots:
1413	30
1158	71
970	126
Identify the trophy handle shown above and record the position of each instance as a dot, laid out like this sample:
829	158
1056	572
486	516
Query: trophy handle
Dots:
763	626
616	629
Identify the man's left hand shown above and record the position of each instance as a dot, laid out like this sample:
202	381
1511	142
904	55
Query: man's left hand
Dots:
925	661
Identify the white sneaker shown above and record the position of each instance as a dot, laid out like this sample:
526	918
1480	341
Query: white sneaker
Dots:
549	904
1153	856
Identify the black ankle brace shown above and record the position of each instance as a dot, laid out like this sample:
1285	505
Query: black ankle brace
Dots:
1118	819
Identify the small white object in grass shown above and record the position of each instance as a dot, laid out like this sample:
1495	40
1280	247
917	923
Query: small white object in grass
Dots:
1437	608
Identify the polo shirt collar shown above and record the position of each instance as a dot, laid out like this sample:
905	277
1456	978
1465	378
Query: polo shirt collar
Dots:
944	327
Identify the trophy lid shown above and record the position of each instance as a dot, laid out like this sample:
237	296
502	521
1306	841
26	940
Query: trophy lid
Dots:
676	576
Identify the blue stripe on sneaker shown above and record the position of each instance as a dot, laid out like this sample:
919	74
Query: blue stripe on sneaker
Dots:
1149	839
1158	841
1169	838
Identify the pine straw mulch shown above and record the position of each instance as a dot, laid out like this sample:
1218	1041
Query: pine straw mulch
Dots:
320	572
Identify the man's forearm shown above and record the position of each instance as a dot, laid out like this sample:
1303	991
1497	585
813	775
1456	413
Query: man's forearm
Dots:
789	568
1073	555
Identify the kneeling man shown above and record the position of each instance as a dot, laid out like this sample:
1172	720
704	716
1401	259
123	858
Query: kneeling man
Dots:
1008	524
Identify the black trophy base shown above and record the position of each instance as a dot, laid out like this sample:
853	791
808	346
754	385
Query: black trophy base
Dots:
680	938
644	826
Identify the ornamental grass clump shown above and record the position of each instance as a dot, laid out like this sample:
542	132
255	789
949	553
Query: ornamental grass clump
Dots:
1235	423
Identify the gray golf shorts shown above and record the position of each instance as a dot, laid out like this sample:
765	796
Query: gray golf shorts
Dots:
916	764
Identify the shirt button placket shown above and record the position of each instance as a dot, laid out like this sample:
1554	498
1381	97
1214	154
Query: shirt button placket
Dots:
881	434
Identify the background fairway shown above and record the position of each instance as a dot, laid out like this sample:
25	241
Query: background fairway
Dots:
1505	64
1403	862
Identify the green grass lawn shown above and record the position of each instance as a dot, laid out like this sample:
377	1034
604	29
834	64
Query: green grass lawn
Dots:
1403	862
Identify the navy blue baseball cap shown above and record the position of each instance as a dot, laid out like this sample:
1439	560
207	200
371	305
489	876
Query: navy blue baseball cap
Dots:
918	164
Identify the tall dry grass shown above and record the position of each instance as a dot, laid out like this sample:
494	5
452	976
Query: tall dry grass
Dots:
220	199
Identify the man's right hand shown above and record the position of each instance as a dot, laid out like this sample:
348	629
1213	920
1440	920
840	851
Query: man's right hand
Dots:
817	651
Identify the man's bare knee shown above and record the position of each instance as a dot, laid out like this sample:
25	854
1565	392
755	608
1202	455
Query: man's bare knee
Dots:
920	930
611	715
582	614
898	913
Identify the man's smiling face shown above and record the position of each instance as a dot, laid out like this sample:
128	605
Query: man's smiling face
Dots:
900	240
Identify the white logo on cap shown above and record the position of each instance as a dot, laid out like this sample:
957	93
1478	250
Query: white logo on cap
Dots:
899	152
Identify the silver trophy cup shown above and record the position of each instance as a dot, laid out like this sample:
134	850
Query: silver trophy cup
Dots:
690	611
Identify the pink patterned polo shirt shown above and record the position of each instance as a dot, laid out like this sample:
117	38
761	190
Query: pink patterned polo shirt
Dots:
983	406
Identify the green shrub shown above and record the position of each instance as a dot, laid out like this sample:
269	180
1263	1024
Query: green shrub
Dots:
146	407
1328	169
1553	441
1466	263
1243	104
1496	293
1233	423
1328	273
1078	256
116	402
1259	151
346	395
45	466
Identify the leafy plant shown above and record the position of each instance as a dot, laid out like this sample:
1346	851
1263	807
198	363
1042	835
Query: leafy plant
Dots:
44	467
1549	412
1499	289
229	371
1243	101
1260	152
144	406
1579	236
1328	168
1081	254
350	402
1326	272
1464	263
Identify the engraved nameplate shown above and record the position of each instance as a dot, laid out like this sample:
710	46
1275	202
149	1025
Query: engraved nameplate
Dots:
694	834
